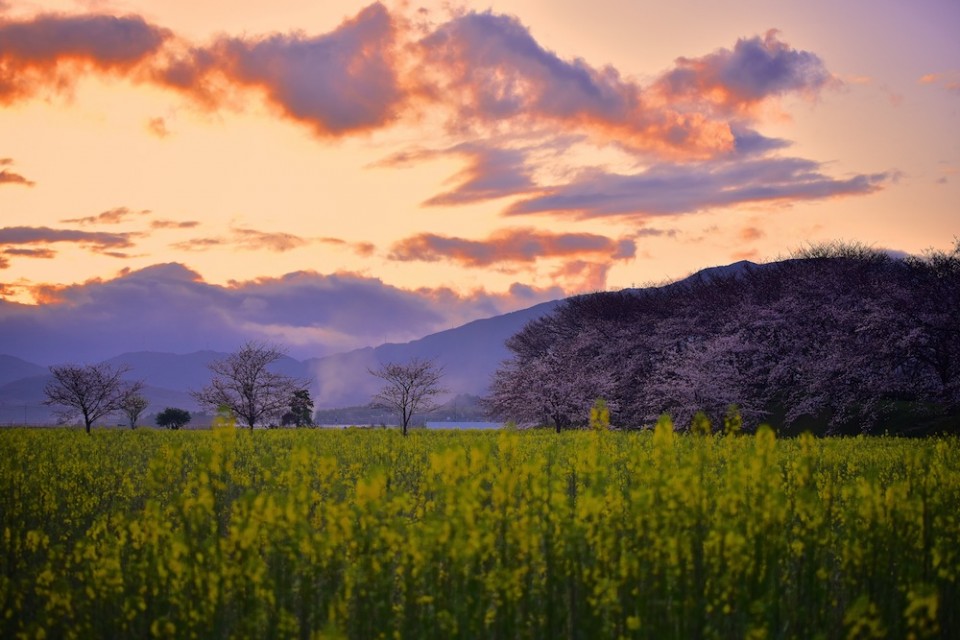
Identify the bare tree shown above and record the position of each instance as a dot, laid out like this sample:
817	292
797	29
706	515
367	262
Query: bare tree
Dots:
409	387
93	391
133	405
244	383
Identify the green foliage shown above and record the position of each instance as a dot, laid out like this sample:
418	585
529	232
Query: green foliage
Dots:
732	421
700	425
365	534
173	418
301	410
600	415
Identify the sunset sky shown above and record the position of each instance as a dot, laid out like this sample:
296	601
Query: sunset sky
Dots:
184	174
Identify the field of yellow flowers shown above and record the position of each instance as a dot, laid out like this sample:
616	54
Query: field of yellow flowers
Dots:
366	534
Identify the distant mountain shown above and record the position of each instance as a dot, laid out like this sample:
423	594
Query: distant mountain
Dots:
13	368
469	355
21	401
179	372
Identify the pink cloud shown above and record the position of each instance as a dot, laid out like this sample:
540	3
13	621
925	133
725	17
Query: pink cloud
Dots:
492	173
489	68
670	189
174	224
33	52
582	276
113	216
691	127
177	311
511	246
736	80
340	82
363	249
12	236
949	80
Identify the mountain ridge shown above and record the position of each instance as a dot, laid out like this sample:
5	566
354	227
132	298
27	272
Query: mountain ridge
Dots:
468	353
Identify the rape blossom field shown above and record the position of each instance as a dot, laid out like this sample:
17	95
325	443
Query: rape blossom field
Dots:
366	534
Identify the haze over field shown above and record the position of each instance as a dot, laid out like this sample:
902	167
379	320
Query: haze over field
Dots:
183	176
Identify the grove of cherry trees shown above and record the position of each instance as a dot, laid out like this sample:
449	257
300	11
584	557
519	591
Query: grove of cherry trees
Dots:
837	339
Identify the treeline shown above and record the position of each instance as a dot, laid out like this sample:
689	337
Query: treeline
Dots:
838	339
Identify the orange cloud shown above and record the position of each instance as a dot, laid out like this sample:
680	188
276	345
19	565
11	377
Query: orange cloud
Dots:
517	246
49	50
248	239
340	82
949	80
488	68
737	80
9	177
481	68
113	216
362	249
581	276
158	127
173	224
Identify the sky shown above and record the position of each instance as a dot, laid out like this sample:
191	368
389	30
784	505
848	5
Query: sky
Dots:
328	175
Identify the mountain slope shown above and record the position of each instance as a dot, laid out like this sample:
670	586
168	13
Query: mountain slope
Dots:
469	355
13	368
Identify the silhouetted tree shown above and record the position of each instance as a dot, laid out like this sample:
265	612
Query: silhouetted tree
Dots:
409	388
173	418
244	383
92	391
301	410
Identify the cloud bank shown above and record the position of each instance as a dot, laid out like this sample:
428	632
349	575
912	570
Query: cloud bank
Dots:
672	189
168	307
501	91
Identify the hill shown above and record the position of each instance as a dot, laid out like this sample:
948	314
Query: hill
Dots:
469	354
13	368
841	339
